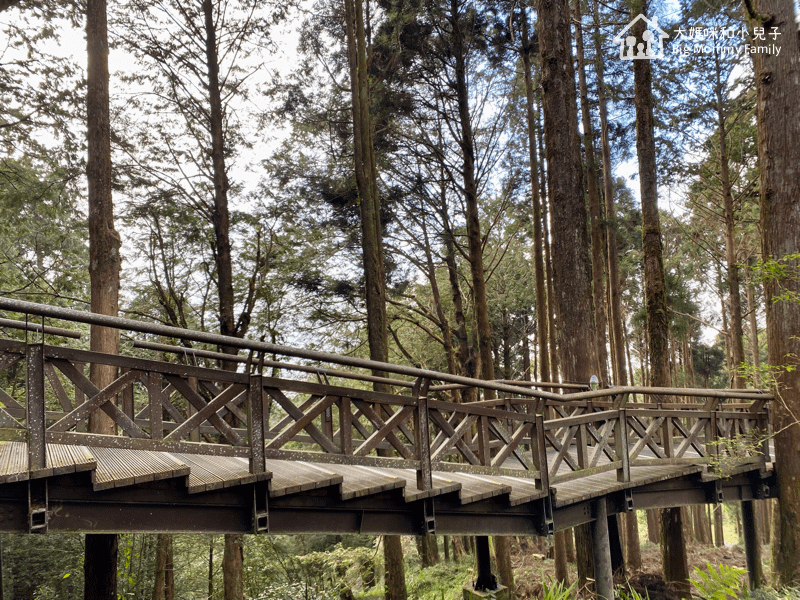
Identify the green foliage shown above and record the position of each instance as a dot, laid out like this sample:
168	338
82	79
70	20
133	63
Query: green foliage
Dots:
787	593
439	582
558	590
735	450
626	592
718	583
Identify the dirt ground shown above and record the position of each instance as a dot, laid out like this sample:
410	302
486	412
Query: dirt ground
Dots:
532	567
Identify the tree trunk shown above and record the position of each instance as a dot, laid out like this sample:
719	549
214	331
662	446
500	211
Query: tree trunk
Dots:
232	564
616	315
560	556
778	87
753	319
673	548
161	567
572	266
100	563
597	253
734	296
371	241
633	549
538	239
211	569
502	553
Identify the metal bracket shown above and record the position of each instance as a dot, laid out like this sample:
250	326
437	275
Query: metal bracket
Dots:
762	491
38	509
715	495
547	525
428	517
628	500
260	508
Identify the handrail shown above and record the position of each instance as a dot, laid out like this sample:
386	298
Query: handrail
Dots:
519	388
56	312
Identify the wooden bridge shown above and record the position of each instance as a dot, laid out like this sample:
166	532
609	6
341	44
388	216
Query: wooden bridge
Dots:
315	449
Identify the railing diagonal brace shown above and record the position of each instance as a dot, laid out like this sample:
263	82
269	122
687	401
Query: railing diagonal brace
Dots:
184	389
455	436
213	407
297	414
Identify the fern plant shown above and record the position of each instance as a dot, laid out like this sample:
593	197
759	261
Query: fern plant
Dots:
718	584
557	590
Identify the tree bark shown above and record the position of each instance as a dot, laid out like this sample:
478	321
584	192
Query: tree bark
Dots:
538	238
597	250
778	87
371	241
734	295
100	562
572	266
232	563
673	552
616	314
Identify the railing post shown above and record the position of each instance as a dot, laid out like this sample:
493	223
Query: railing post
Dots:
346	425
255	425
156	400
539	452
37	452
621	446
712	448
423	442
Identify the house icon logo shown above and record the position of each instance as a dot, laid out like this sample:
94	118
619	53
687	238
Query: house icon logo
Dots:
651	44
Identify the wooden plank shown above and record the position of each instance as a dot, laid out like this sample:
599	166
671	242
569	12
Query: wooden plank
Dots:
318	389
115	441
512	443
602	445
9	402
595	417
385	431
475	488
522	490
472	409
34	363
209	473
156	401
303	422
345	426
455	436
296	477
255	424
13	462
358	481
120	467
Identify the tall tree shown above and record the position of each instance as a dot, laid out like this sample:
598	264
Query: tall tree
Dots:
100	565
371	240
778	87
571	262
673	547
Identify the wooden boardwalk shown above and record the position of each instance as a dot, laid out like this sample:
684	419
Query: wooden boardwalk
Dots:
200	449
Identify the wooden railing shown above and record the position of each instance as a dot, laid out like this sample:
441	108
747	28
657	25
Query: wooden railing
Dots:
47	397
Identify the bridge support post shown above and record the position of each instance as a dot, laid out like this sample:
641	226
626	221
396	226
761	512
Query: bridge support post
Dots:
752	546
486	581
601	549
